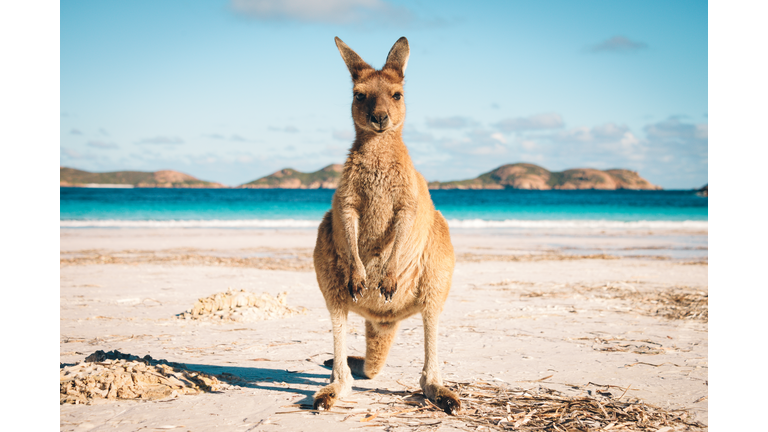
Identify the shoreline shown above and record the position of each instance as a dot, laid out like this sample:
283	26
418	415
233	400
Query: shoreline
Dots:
693	225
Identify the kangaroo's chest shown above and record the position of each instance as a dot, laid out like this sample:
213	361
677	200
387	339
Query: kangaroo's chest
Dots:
377	192
377	186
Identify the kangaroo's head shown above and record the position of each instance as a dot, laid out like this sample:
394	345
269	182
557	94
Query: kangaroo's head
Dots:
378	99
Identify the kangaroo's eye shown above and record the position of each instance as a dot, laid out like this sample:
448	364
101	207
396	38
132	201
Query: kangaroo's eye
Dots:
360	97
397	96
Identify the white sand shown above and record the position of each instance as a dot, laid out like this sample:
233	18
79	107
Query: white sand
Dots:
489	331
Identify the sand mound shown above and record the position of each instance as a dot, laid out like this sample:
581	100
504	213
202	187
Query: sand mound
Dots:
115	375
240	306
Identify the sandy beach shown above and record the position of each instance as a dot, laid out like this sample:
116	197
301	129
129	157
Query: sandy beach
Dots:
596	313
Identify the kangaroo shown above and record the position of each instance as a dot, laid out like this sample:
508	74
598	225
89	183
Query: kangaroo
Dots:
382	251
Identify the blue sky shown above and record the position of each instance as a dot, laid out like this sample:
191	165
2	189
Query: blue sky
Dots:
230	91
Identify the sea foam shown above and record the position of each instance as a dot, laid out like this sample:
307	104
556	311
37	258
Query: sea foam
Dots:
453	223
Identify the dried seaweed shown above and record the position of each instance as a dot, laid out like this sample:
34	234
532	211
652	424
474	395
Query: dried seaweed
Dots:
296	261
115	375
472	257
677	302
503	408
609	344
498	408
240	306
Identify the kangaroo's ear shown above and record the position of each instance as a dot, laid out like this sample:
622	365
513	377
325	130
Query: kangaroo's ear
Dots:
354	62
397	59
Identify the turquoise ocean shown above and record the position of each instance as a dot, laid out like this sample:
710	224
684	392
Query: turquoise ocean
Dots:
298	208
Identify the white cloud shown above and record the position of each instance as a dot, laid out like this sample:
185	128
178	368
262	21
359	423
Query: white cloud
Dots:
605	133
455	122
629	140
672	129
323	11
534	122
289	129
343	135
577	134
161	140
609	131
102	144
702	131
492	149
71	154
476	142
499	137
413	135
233	137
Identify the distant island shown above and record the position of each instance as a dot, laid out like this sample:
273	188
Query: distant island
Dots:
510	176
141	179
530	176
289	178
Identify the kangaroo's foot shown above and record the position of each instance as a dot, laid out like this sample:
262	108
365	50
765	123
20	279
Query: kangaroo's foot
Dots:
356	364
327	396
447	400
388	287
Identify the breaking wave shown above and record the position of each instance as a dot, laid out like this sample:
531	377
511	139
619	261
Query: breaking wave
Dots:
514	223
453	223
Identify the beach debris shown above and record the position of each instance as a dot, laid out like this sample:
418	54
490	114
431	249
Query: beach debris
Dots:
114	375
474	257
681	304
499	407
611	344
671	302
268	259
240	306
676	303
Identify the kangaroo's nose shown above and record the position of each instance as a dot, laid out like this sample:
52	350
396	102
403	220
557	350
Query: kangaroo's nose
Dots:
380	119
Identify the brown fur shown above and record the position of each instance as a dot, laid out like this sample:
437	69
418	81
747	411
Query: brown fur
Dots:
383	251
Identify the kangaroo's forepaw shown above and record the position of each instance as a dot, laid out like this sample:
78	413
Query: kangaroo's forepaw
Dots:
388	288
356	286
325	398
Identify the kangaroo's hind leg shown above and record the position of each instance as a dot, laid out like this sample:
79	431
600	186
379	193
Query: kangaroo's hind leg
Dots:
330	280
431	381
341	376
378	341
435	285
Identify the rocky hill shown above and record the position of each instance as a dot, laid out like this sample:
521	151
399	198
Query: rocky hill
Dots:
159	179
529	176
512	176
326	178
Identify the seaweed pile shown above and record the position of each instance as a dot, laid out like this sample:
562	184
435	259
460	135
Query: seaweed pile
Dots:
115	375
493	407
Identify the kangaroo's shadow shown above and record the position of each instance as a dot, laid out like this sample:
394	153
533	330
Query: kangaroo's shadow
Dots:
261	378
270	379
